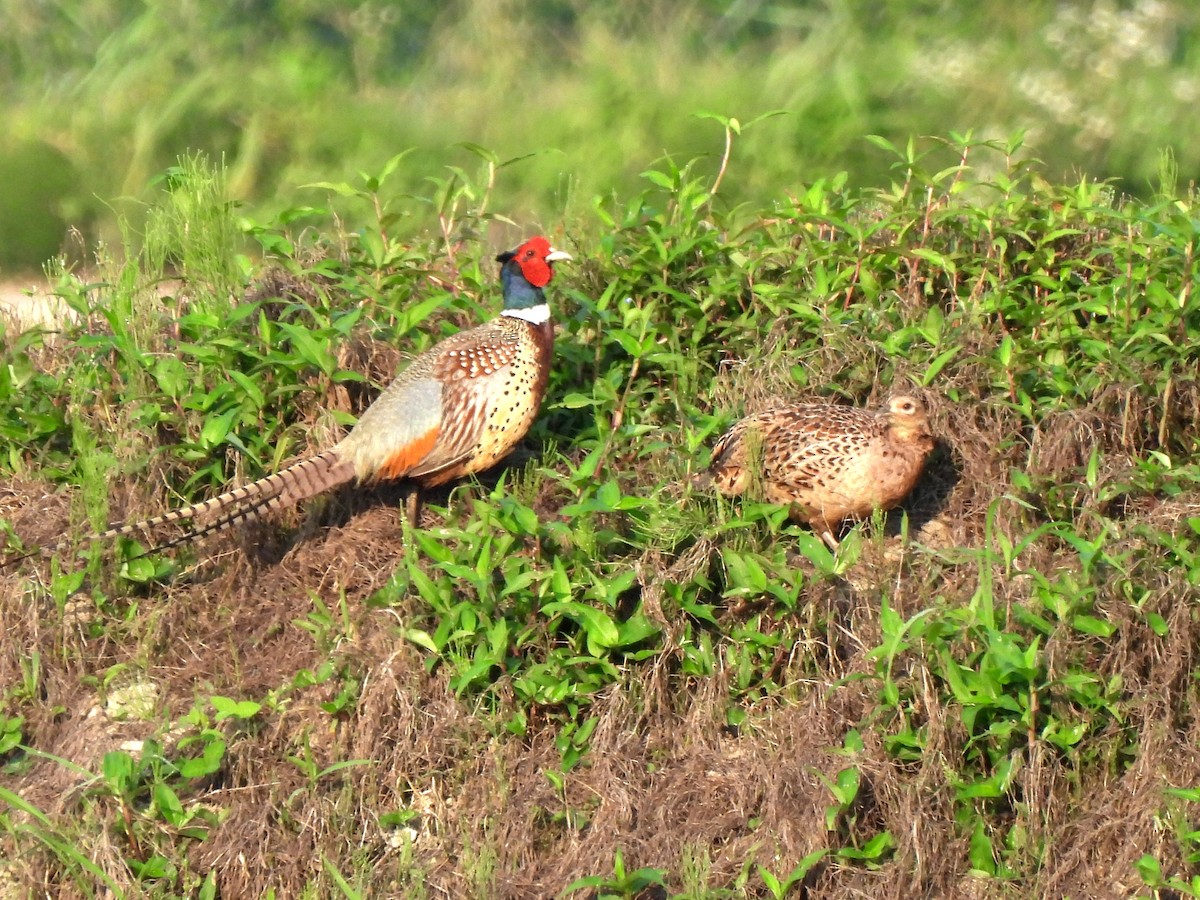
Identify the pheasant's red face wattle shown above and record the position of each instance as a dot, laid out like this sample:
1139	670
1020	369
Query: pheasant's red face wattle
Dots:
531	257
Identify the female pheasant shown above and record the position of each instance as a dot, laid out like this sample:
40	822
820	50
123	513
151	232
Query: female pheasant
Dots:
826	462
458	408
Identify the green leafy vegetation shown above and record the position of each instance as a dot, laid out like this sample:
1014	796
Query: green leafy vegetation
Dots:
577	675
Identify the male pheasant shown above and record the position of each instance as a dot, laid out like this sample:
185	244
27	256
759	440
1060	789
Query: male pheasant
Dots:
826	462
458	408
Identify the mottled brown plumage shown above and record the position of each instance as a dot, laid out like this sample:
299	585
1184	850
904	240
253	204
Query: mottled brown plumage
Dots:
827	463
457	409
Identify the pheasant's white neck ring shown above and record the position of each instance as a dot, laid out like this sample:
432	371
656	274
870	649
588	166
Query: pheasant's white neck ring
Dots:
536	315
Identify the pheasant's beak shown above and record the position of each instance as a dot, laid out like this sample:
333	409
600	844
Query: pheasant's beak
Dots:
557	255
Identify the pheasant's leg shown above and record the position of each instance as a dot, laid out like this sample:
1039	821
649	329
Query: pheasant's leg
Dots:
825	530
412	505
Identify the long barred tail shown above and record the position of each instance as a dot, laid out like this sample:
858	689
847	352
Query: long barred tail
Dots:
289	486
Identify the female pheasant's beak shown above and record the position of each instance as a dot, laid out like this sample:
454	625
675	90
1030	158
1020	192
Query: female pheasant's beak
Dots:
557	255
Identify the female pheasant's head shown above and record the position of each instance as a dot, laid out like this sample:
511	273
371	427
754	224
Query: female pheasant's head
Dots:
907	421
523	274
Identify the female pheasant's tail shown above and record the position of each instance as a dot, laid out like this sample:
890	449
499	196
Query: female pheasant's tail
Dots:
297	482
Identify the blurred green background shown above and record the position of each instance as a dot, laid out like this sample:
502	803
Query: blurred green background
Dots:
100	95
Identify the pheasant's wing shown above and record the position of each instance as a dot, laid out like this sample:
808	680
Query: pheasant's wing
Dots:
433	415
400	429
464	415
815	445
470	374
737	457
752	441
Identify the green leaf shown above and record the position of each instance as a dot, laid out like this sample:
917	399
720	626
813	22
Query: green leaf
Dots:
119	769
577	401
1093	625
1157	623
234	709
981	855
172	376
800	872
873	850
656	177
339	880
340	188
635	629
815	551
935	258
590	881
168	804
602	632
155	868
308	348
483	153
250	388
1149	869
937	365
210	759
421	639
139	570
216	428
770	881
15	801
